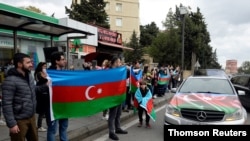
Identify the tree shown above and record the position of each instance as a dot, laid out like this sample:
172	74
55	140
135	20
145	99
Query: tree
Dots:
89	11
34	9
197	40
148	33
213	61
137	53
165	49
244	68
170	20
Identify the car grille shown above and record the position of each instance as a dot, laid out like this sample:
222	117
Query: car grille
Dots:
202	115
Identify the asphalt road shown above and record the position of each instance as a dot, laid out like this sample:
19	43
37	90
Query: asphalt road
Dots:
140	133
155	133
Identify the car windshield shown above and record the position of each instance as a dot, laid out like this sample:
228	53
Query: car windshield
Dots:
206	85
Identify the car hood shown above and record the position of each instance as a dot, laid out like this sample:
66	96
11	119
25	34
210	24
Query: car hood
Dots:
201	101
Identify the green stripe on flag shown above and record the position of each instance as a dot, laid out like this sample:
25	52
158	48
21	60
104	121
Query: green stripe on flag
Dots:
86	108
153	115
133	88
163	82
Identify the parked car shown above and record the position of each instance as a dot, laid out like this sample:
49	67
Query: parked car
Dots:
205	100
210	72
242	86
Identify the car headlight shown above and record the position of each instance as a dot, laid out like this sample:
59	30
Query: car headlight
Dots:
170	109
234	116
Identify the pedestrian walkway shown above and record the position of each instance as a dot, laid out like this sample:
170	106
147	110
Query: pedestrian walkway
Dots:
80	128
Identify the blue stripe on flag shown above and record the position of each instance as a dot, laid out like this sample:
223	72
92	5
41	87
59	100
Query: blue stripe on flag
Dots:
86	78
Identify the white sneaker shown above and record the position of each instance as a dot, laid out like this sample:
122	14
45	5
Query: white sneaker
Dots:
155	96
41	129
2	122
107	117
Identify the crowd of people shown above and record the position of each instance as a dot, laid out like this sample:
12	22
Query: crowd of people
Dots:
20	87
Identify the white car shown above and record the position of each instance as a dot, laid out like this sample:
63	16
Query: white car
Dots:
205	100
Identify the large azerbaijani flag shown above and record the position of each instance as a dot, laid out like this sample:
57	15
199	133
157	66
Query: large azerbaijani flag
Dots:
83	93
163	79
146	102
134	80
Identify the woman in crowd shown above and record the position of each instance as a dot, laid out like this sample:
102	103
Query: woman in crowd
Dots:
40	76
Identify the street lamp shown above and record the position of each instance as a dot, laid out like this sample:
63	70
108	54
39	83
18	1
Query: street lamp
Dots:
183	11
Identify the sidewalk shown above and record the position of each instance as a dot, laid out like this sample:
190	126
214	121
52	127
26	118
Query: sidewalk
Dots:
80	128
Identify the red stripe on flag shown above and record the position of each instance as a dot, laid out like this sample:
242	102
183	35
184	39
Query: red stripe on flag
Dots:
85	93
136	104
150	105
134	81
164	79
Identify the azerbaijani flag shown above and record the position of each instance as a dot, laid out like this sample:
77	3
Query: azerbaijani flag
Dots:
83	93
163	79
146	102
134	80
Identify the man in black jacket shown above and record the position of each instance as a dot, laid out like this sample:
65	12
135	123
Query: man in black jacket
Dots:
19	99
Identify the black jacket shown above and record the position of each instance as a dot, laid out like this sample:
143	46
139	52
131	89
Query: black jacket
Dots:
42	97
19	96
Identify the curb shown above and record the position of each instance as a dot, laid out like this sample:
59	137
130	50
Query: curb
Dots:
85	132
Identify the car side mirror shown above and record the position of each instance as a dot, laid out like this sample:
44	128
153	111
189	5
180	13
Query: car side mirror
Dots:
173	90
241	92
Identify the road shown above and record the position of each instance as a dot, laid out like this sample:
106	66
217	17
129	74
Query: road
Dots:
155	133
140	133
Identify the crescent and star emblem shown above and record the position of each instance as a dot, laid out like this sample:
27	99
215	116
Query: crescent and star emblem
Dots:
99	91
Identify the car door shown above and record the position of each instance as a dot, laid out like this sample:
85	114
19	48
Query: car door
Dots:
242	86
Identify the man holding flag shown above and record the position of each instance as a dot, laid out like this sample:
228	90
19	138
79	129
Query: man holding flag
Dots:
58	62
84	93
115	112
135	77
163	81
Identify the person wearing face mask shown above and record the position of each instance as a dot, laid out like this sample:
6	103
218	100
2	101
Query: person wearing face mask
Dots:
40	76
19	99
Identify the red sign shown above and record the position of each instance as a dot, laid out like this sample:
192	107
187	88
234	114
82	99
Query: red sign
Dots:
109	36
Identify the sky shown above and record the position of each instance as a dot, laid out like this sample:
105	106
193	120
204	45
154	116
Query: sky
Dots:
227	21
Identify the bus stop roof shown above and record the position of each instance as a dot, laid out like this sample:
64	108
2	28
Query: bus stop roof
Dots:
18	19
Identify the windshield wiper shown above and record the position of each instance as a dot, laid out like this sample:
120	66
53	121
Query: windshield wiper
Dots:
207	92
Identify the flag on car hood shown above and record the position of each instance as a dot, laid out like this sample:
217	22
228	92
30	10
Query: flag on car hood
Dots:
83	93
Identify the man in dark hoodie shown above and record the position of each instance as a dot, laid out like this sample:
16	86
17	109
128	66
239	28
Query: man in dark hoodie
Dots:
58	62
19	99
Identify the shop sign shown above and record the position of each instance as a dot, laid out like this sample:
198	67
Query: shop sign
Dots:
109	36
6	42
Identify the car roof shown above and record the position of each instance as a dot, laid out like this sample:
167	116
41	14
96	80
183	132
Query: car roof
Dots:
210	76
234	75
210	72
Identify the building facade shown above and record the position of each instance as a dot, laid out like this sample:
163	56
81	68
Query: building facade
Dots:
123	17
231	67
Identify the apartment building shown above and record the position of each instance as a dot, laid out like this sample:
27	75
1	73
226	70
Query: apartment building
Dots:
123	17
231	66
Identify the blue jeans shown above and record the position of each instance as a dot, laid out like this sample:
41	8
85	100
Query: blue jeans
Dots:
52	129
